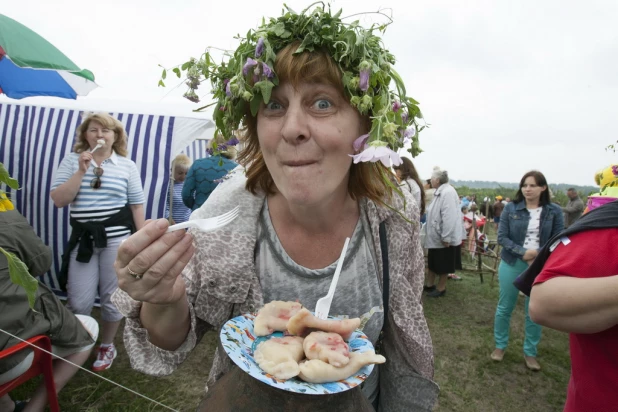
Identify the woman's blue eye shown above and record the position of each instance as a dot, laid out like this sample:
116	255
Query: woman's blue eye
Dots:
322	104
272	105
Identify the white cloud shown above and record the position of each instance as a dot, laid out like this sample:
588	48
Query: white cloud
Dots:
506	86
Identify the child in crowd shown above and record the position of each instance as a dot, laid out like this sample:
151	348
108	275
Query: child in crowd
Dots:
180	212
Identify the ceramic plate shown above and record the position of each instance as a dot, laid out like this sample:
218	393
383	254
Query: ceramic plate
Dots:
238	341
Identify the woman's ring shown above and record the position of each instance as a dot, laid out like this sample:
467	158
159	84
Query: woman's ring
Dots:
137	276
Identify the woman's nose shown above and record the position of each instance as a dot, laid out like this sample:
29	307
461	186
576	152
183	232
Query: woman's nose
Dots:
295	128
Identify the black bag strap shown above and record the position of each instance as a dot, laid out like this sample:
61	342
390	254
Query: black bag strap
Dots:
385	266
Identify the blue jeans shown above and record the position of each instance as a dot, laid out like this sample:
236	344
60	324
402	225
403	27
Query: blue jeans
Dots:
506	304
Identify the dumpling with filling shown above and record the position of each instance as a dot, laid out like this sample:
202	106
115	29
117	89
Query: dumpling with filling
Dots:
274	316
280	356
317	371
327	347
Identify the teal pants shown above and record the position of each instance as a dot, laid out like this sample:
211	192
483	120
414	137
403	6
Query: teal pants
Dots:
506	304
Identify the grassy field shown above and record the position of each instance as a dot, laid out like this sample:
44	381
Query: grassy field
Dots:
461	325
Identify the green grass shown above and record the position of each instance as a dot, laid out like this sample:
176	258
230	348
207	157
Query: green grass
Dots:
461	326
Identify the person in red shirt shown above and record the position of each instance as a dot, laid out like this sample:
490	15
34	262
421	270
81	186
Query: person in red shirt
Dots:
577	292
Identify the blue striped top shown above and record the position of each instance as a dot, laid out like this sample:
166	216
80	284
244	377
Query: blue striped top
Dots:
180	212
120	184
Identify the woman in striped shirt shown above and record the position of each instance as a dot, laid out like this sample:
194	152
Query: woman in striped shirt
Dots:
104	191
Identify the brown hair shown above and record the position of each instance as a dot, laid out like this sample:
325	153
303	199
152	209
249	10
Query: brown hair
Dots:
408	171
120	141
540	180
367	179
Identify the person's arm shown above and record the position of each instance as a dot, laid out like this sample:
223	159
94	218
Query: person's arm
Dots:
138	215
576	305
167	325
504	231
188	188
575	207
68	181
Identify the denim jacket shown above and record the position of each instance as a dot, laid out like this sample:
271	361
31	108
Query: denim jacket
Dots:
514	224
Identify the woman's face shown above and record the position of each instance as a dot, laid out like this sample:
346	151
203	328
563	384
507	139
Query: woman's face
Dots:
96	131
532	191
306	137
398	173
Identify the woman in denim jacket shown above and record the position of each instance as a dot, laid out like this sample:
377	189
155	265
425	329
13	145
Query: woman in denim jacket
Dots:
526	225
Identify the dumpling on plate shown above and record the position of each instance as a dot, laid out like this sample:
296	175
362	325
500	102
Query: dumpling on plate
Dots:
303	323
280	356
317	371
274	316
327	347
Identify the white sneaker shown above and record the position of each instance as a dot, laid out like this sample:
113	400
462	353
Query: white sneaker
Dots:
105	358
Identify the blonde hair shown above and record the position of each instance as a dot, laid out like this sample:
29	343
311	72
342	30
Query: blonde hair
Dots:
367	179
183	161
120	139
229	152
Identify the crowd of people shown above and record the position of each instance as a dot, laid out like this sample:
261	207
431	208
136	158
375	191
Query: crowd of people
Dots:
305	181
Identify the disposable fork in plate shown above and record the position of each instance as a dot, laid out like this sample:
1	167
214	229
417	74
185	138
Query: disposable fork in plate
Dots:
207	225
322	307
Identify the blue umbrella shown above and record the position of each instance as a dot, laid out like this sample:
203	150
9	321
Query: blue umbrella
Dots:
32	66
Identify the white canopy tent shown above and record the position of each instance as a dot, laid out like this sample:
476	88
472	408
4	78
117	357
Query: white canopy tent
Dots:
35	138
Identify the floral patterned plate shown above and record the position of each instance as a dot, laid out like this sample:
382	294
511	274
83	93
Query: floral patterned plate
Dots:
237	339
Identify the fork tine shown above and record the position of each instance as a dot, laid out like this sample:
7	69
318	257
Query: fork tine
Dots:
227	217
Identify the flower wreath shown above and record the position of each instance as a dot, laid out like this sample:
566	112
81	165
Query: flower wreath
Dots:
247	78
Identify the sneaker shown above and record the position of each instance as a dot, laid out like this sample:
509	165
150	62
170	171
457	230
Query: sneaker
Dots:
453	276
105	358
429	288
532	363
20	406
497	355
437	293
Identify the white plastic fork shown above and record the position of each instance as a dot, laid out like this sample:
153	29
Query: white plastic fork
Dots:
207	225
322	307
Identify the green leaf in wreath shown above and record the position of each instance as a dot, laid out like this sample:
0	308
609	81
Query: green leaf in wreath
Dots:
20	276
7	179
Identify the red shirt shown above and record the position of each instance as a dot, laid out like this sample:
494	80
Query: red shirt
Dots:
593	386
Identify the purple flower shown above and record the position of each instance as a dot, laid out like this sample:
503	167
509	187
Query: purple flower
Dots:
209	151
396	106
378	151
232	142
615	170
360	142
228	92
268	72
248	65
364	80
221	148
259	48
404	117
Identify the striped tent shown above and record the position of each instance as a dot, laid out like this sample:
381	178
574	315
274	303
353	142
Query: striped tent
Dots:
34	140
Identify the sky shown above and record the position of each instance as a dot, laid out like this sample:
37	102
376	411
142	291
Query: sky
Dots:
505	87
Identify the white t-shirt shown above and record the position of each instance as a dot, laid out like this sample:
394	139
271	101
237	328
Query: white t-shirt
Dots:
533	234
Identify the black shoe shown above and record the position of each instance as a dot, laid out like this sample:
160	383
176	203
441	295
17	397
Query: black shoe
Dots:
429	288
436	293
20	406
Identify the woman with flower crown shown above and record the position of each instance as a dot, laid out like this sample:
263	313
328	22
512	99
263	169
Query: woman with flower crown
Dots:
320	126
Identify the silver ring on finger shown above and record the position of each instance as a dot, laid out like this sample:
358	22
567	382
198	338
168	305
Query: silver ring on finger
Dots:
135	275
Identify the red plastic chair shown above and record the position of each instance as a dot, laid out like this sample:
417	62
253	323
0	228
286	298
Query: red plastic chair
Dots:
41	364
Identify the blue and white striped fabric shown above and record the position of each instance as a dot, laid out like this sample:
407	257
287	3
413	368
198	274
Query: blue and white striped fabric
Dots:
35	139
197	149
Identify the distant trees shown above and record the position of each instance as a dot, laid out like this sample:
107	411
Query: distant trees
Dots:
488	189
